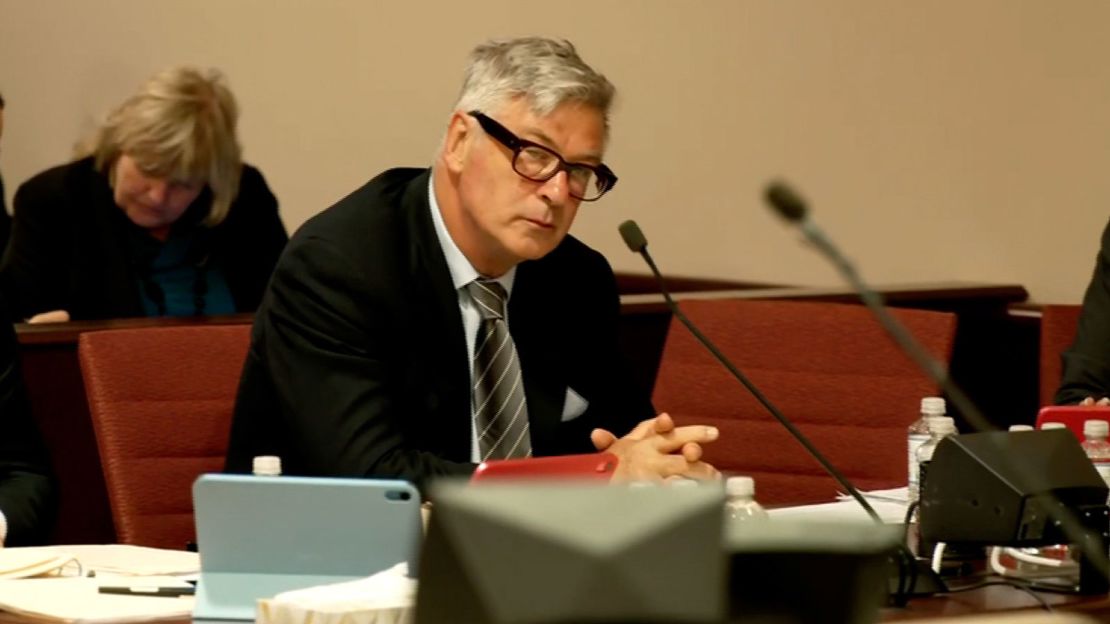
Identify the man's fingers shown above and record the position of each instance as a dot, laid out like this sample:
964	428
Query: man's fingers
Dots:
663	423
703	471
675	440
602	439
691	452
1103	401
676	466
1087	401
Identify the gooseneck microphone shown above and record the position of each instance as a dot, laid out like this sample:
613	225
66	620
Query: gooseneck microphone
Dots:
908	569
634	238
791	207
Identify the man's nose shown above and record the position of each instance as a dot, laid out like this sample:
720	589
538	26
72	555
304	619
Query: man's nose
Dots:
555	189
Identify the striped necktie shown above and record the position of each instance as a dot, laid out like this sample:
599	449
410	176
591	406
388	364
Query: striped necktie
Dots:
500	412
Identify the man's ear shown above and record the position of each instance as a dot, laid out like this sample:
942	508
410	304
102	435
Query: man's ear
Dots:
457	142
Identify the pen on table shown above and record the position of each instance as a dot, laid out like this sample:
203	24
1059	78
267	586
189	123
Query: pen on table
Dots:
170	592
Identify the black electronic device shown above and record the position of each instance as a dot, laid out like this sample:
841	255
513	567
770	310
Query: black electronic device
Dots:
549	552
809	573
976	494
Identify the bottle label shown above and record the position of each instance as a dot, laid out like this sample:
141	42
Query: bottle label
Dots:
1103	468
915	440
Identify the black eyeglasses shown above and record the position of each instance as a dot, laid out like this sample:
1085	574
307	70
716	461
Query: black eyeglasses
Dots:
535	162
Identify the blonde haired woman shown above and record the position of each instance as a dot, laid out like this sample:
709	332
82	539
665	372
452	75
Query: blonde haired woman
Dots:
158	217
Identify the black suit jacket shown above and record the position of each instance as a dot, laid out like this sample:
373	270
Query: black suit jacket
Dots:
26	487
358	364
1087	362
5	220
73	249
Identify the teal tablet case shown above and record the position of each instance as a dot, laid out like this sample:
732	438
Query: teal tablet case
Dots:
259	536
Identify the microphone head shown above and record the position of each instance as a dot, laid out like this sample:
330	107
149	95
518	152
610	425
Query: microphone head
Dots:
632	236
785	201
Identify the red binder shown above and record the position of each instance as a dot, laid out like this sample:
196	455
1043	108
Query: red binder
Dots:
589	467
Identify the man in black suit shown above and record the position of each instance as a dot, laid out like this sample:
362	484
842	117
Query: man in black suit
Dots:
5	218
1086	374
27	504
361	357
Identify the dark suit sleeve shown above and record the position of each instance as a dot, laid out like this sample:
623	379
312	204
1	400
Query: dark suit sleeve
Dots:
26	488
621	404
33	271
253	217
5	220
1087	362
324	365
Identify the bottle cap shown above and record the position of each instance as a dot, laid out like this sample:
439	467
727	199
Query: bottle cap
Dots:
1053	425
933	406
267	466
1021	427
740	486
942	425
1096	429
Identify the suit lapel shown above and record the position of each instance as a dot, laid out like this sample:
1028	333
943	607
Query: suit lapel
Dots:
439	327
532	322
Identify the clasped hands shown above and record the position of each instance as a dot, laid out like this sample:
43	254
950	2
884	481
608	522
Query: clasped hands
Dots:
1090	401
657	450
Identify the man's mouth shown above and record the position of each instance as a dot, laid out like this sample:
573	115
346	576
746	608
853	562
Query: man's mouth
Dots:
541	224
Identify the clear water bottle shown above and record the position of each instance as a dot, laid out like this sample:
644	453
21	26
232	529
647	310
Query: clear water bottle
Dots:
1096	446
940	427
918	434
266	466
740	504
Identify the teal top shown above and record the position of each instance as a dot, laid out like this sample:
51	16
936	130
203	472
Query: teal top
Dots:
182	286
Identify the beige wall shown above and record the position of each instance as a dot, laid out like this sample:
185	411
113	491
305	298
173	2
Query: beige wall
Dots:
953	139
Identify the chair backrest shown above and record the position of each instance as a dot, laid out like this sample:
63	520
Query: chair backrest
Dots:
829	367
1058	326
161	401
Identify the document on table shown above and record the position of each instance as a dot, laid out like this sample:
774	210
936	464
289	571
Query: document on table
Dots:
889	504
78	600
67	594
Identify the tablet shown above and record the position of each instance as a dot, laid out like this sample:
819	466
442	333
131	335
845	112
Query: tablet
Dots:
588	467
259	536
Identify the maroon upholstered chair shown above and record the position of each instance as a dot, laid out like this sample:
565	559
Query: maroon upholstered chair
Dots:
1058	326
829	367
161	400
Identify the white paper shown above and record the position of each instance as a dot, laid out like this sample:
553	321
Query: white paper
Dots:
384	598
841	511
78	600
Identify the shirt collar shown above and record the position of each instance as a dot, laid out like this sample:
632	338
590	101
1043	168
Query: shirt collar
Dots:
462	272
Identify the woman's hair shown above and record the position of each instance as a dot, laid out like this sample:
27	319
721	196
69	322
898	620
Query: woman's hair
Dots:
547	72
181	126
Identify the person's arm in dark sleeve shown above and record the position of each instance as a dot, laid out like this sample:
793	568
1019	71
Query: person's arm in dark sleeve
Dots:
325	339
619	403
26	487
263	227
33	271
1086	364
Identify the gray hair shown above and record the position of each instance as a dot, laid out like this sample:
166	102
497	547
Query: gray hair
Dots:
547	72
180	125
